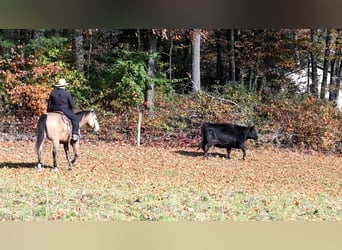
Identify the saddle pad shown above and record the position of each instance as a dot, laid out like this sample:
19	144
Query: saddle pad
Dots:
65	119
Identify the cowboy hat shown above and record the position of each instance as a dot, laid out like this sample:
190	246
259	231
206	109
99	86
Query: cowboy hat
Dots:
61	83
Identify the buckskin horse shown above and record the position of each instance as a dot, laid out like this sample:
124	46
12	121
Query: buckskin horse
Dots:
56	127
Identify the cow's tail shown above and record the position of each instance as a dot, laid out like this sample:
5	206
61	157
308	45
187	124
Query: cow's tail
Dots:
202	141
41	131
200	145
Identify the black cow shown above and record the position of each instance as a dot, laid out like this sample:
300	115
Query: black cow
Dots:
226	135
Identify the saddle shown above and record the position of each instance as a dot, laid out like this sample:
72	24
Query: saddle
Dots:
65	119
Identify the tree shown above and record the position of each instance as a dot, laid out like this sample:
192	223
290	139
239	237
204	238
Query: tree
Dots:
196	52
151	69
220	51
231	52
314	62
264	59
38	34
329	39
79	52
336	68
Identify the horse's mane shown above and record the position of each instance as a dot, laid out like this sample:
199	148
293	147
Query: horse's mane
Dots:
83	113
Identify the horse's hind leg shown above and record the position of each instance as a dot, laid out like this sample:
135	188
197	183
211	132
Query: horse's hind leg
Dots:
39	154
39	148
40	165
75	158
54	154
67	155
41	135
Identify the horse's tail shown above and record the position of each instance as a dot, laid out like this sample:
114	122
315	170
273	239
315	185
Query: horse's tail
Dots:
41	130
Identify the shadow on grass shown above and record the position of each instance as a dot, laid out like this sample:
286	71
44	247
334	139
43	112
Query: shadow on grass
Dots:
199	154
20	165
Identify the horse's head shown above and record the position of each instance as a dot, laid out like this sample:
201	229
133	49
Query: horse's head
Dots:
88	117
92	121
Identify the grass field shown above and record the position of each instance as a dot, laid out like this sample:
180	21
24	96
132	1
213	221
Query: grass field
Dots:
120	182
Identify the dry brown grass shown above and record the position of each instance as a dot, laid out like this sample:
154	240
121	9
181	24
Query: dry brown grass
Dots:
116	181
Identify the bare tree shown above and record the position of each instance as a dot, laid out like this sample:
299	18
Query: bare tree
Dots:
38	33
314	61
231	52
336	69
196	53
152	48
79	52
329	40
220	51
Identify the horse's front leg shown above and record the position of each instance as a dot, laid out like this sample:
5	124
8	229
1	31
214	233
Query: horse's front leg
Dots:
75	147
67	155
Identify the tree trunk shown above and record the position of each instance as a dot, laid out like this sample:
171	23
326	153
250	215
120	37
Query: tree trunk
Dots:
38	33
220	51
238	75
170	55
149	92
250	79
308	76
90	42
297	53
314	61
327	54
336	66
196	52
138	34
231	53
339	69
338	81
79	52
335	79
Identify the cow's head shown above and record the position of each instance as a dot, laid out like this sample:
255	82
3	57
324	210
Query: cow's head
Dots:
252	134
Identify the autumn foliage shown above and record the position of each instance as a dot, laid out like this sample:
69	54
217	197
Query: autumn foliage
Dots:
114	83
31	97
307	121
27	81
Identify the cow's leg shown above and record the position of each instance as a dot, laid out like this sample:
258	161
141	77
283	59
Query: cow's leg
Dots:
229	150
243	148
206	148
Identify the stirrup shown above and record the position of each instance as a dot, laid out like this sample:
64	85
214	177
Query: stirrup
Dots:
74	137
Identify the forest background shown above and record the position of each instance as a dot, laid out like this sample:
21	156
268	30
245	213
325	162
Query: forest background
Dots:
180	79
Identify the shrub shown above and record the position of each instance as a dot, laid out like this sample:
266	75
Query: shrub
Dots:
120	79
309	121
31	97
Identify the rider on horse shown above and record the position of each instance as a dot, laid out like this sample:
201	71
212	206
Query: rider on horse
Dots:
61	100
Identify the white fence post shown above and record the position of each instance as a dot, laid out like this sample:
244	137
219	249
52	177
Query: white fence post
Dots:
139	128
